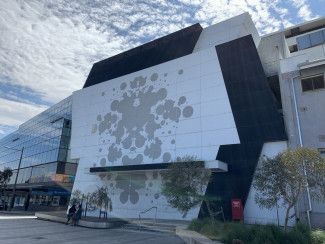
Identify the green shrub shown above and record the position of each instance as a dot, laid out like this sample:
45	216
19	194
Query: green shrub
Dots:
318	237
267	234
206	227
233	231
300	234
212	229
257	234
196	225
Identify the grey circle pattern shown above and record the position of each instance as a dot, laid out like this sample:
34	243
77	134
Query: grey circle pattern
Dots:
137	116
188	111
123	86
154	77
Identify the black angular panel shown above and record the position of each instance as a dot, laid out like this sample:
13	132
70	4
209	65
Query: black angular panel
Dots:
172	46
275	87
256	117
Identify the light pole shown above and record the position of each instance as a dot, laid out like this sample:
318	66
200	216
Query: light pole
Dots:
12	201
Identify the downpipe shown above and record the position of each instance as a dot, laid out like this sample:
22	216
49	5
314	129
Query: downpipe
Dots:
301	145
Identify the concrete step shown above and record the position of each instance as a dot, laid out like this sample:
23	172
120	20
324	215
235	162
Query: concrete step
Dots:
150	227
89	222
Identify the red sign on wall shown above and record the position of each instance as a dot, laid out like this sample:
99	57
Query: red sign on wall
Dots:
236	209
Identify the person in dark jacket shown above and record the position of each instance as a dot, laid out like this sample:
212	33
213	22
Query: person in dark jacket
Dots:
71	212
77	215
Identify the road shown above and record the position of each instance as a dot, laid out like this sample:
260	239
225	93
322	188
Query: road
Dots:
27	230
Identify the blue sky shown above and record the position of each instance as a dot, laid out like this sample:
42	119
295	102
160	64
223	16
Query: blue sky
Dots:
47	48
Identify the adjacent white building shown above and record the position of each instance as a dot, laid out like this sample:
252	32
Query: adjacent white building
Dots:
297	57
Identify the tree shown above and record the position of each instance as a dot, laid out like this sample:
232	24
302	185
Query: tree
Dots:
287	175
76	197
100	198
184	184
5	176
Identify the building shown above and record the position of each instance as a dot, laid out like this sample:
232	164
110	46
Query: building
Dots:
45	176
199	92
294	59
222	94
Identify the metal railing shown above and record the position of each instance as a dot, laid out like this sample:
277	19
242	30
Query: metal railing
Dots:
145	211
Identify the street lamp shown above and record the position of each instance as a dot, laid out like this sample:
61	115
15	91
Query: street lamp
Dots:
12	202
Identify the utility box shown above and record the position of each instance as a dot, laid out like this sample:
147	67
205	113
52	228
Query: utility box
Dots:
237	209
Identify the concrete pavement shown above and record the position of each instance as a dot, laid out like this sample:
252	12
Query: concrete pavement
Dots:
30	231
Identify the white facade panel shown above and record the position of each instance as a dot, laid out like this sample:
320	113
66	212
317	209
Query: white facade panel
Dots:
148	117
140	113
228	30
253	214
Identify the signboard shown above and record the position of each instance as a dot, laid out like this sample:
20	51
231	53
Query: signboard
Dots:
52	178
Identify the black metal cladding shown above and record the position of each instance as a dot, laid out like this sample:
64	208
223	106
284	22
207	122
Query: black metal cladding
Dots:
256	117
172	46
274	84
129	168
136	167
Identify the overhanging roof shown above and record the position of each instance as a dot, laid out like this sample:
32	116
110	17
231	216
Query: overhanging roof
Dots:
214	165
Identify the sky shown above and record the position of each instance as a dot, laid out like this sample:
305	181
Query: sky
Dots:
47	48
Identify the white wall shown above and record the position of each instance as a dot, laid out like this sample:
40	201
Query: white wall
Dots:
253	214
271	49
228	30
167	111
152	118
290	64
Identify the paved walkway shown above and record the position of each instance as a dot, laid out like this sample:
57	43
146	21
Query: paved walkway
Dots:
20	230
17	212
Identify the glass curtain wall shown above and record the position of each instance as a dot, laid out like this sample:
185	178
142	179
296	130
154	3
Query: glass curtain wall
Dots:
45	139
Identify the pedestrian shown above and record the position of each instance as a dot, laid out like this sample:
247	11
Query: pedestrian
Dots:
77	215
71	212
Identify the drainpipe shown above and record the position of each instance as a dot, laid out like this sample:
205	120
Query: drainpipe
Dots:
301	145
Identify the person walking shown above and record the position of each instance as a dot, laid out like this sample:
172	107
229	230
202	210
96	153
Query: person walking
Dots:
77	215
71	212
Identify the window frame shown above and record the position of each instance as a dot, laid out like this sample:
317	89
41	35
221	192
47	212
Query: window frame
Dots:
313	86
306	41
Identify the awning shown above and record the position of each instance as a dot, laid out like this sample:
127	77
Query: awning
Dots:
310	64
51	193
214	165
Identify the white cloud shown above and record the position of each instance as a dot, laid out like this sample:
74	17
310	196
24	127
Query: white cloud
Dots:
50	46
48	54
304	10
268	15
15	113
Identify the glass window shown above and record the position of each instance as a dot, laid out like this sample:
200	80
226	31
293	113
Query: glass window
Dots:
318	82
316	38
51	156
24	175
303	42
306	84
313	83
70	168
13	177
62	155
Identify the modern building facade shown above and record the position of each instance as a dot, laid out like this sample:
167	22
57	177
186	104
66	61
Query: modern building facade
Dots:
45	177
222	95
198	92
